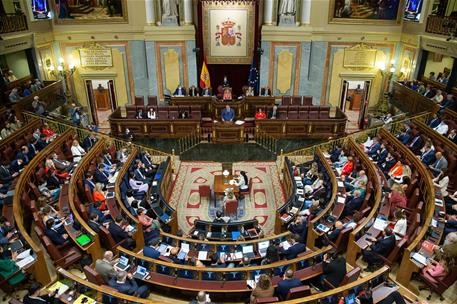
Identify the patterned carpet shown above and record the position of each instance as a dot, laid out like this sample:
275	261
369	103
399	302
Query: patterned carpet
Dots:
266	194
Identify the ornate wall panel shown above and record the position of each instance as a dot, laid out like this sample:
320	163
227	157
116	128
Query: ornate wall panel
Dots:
171	66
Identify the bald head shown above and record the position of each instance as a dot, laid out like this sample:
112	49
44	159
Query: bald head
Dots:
108	255
289	274
174	251
338	225
201	297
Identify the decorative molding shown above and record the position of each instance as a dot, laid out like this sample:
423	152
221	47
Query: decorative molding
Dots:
296	71
284	71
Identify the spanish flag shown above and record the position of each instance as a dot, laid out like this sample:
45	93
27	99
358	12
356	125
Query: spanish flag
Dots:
205	81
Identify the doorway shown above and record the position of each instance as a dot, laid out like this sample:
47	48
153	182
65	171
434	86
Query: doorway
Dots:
354	103
102	101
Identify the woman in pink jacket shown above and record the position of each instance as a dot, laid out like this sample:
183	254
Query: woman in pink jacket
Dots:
435	271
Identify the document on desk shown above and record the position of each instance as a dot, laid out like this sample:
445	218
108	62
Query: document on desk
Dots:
250	283
238	255
419	258
297	178
202	255
340	184
439	202
185	247
434	223
380	224
341	200
285	245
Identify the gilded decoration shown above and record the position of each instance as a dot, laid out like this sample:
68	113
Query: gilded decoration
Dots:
284	71
95	56
360	56
228	31
368	12
92	12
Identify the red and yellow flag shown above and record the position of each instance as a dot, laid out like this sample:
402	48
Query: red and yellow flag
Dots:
205	81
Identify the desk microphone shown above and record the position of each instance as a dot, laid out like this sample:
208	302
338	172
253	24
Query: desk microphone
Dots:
175	278
224	279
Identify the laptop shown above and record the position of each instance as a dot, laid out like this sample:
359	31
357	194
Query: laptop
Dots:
123	263
263	248
350	299
249	251
69	220
110	195
323	228
140	273
16	246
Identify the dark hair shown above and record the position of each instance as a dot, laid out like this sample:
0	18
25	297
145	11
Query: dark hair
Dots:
154	242
118	219
93	216
272	254
49	223
89	175
218	214
34	287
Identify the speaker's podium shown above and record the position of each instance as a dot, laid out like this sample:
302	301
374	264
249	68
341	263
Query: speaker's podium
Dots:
228	132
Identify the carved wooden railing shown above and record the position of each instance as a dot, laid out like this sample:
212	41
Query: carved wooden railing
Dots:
12	23
441	25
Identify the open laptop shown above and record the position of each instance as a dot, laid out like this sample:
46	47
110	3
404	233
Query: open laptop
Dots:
349	299
322	228
140	273
123	263
263	247
249	251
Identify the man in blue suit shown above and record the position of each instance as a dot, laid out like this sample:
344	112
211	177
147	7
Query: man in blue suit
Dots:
140	173
33	149
151	250
428	156
374	148
89	181
24	155
180	91
380	247
353	204
434	121
294	249
381	155
89	142
100	175
416	144
128	286
55	237
16	166
228	114
287	283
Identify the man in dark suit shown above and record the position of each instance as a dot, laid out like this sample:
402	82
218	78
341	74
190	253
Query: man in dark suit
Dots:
265	91
193	91
140	173
380	247
416	144
430	92
300	228
374	148
151	249
16	166
100	175
128	286
55	237
294	249
33	150
180	91
428	156
61	164
24	155
387	164
41	142
89	181
207	92
381	154
333	234
440	163
452	136
117	229
287	283
89	142
93	222
434	121
353	203
334	267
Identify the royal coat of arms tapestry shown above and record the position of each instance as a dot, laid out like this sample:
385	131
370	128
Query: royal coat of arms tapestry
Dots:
228	31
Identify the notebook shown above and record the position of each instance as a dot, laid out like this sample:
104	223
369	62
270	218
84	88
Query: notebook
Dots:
202	255
83	239
380	224
58	286
263	248
16	245
123	263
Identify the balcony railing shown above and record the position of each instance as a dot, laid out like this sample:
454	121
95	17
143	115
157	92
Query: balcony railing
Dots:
12	23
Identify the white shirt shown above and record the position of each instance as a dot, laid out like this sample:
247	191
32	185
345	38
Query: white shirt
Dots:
241	183
152	115
400	229
137	185
77	152
442	184
442	128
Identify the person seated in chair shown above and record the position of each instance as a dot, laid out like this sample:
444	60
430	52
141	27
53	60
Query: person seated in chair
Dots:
207	91
151	250
105	267
219	217
118	230
260	114
180	91
193	91
94	223
36	295
139	114
294	249
228	114
334	268
242	181
124	283
378	248
54	235
353	204
286	284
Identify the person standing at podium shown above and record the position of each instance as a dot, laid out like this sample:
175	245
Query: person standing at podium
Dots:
228	114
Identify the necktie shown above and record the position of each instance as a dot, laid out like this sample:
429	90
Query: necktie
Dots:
141	174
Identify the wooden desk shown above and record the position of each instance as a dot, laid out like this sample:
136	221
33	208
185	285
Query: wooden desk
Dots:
228	133
220	186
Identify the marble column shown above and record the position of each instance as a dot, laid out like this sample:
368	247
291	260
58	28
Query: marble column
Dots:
305	12
187	12
268	12
150	13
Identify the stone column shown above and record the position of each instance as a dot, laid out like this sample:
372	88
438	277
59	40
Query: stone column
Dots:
268	12
150	13
305	12
187	12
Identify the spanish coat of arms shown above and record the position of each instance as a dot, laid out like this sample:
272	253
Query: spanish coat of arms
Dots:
227	34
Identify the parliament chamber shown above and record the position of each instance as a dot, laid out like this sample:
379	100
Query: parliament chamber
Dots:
228	151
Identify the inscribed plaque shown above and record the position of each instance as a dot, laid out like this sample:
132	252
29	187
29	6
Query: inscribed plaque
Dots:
359	58
96	57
